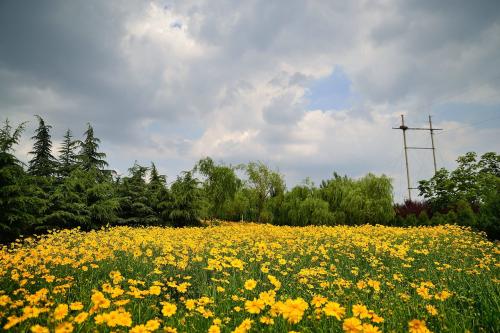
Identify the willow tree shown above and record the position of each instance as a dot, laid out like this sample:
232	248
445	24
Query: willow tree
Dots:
220	185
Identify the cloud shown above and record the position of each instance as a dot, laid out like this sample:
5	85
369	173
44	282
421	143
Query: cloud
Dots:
239	81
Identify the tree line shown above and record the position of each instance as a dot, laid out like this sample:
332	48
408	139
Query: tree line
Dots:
76	189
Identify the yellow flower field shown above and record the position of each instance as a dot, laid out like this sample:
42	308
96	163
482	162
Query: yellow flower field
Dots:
252	278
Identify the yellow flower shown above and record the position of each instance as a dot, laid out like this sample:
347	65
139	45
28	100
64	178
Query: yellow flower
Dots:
352	325
39	329
334	309
255	306
293	310
153	324
214	329
244	326
318	300
190	304
64	328
417	326
431	310
443	295
155	290
99	300
168	309
75	306
31	312
360	311
267	320
168	329
250	284
61	311
139	329
81	317
369	328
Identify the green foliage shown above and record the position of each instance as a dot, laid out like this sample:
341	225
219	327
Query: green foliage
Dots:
367	200
135	204
68	158
82	199
43	162
423	218
489	214
21	201
471	181
89	156
184	208
157	192
220	185
264	184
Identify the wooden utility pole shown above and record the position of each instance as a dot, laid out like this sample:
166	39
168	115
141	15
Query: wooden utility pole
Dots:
405	128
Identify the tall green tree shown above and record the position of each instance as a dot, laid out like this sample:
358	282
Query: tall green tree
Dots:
135	206
184	209
157	192
20	203
366	200
68	158
472	181
82	199
266	185
90	157
220	185
43	162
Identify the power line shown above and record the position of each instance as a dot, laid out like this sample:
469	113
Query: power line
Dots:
470	125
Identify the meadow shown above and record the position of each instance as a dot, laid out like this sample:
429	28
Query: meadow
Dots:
250	278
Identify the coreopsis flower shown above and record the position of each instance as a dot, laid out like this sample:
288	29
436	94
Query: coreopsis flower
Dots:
39	329
250	284
417	326
60	312
293	310
168	309
255	306
155	290
76	306
81	317
214	329
64	328
352	325
334	309
99	300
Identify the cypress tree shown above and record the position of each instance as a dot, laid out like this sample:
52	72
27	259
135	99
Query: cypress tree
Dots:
89	156
43	162
68	158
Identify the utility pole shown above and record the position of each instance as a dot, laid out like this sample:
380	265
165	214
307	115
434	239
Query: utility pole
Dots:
405	128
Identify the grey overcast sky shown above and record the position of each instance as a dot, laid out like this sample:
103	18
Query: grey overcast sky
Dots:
308	87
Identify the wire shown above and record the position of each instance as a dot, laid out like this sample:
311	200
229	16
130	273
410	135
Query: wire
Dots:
467	125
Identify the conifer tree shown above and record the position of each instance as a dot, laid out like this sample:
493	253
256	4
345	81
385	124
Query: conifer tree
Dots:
157	191
19	203
135	206
67	154
89	156
185	207
43	162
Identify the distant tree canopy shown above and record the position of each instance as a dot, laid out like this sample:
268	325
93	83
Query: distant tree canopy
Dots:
76	190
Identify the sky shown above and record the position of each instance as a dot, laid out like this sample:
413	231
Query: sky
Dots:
307	87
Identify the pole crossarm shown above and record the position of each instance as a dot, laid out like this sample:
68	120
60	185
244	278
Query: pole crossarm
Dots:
431	130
